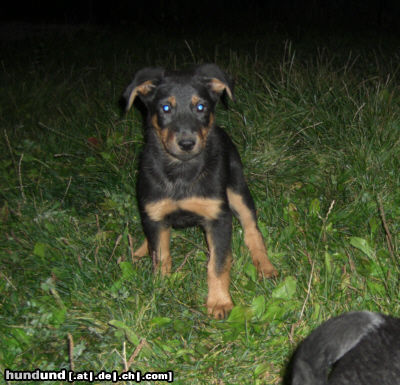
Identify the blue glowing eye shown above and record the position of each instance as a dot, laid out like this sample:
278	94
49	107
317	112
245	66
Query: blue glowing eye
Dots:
166	108
200	107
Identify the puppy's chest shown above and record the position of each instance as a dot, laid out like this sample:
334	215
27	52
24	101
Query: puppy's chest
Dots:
185	204
185	212
186	196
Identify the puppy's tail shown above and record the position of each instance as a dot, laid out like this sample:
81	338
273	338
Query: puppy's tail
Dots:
328	343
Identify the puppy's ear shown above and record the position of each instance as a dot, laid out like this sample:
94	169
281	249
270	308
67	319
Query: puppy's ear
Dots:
216	80
143	85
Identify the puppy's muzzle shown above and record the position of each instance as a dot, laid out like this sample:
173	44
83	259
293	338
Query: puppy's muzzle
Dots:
186	144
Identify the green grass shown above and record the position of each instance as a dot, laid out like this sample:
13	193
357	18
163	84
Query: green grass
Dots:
318	126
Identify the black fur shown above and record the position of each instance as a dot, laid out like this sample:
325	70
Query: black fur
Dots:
358	348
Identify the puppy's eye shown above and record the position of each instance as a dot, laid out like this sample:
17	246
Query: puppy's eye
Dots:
166	108
200	107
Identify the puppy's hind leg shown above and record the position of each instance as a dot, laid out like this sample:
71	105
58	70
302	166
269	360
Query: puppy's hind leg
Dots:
142	250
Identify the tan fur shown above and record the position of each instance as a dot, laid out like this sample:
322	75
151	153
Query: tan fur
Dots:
195	100
154	121
219	87
172	100
205	207
163	253
167	137
142	250
143	89
219	301
252	236
158	210
205	130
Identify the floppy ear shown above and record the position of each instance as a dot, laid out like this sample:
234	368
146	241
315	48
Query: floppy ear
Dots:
216	80
143	85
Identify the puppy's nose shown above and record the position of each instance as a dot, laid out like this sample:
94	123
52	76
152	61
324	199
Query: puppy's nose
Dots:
186	144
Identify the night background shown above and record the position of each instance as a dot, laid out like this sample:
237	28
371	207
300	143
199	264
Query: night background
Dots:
185	16
316	120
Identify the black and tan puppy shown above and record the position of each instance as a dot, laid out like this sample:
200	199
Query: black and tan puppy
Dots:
359	348
191	174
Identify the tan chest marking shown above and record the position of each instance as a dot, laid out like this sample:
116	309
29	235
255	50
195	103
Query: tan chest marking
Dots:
158	210
207	208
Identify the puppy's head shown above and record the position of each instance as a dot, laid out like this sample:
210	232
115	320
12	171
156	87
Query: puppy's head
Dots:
180	105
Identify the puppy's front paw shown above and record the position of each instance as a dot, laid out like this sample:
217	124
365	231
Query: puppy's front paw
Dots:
219	310
267	271
264	267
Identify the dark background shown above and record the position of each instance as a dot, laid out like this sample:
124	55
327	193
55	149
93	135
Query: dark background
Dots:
228	15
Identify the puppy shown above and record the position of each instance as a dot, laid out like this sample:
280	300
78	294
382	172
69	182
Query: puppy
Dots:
358	348
190	173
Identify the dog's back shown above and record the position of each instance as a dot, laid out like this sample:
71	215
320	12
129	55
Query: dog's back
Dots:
359	348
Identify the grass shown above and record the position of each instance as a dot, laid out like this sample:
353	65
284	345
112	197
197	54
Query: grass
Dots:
317	123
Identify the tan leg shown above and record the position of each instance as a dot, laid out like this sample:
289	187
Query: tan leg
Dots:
164	256
219	302
143	250
252	235
254	241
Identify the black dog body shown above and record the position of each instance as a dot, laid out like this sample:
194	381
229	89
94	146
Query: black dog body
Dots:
191	174
359	348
